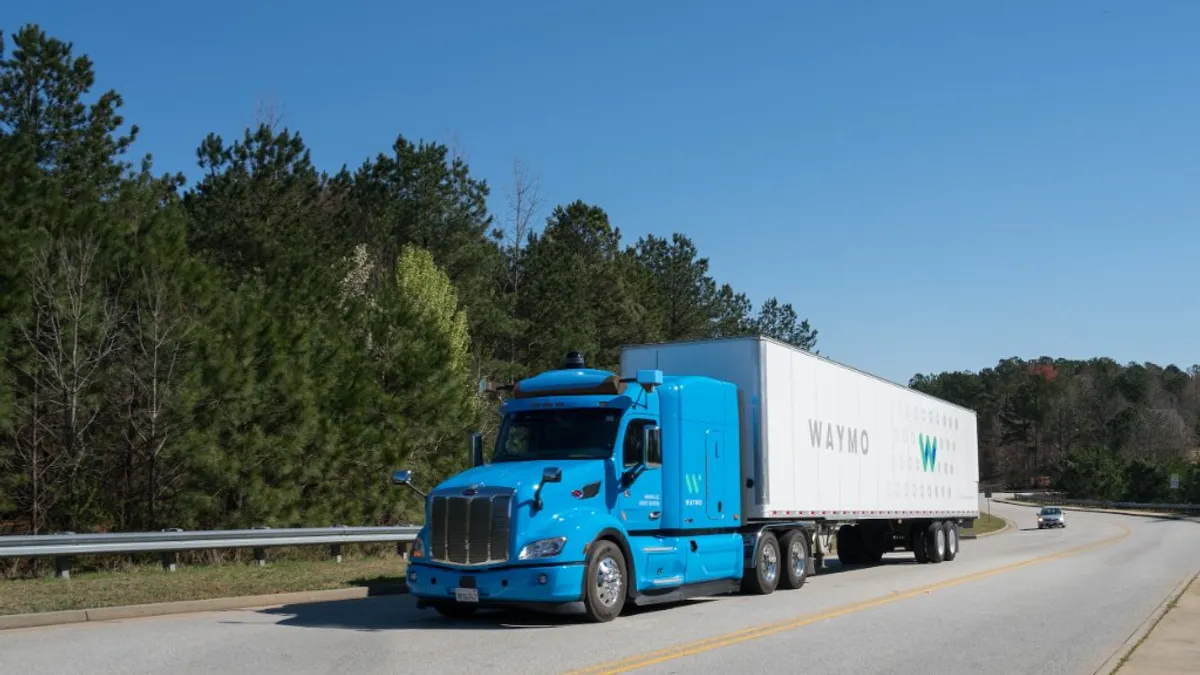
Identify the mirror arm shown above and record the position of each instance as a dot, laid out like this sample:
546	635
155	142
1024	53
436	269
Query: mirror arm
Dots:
550	475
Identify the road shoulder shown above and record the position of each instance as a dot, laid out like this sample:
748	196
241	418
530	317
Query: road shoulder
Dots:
39	619
1170	646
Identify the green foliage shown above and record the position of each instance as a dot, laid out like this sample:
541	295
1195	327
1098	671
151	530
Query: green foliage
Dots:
264	347
1090	473
1096	428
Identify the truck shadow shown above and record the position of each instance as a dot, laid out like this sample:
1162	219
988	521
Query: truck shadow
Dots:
834	566
400	613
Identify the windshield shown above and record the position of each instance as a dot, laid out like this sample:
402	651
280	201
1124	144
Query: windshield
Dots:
586	433
1049	512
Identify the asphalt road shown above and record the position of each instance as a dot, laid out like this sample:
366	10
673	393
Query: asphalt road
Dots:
1026	601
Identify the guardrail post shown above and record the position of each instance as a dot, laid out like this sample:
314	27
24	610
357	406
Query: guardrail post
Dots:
402	549
62	567
169	560
335	550
260	557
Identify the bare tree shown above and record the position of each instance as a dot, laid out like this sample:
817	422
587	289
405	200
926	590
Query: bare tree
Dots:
524	203
73	337
456	149
269	113
158	337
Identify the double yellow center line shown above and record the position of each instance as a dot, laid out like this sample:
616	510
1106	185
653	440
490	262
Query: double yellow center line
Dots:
700	646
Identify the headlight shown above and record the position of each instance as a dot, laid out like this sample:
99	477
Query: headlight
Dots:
543	548
418	549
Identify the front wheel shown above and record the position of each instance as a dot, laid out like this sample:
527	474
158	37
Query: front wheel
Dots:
604	582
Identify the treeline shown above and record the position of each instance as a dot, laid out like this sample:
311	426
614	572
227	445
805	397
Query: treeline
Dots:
264	346
1095	429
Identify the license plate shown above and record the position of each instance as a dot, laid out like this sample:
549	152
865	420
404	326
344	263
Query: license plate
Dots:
466	594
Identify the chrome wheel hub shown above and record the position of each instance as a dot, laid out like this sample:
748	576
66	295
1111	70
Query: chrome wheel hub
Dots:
609	583
799	564
769	563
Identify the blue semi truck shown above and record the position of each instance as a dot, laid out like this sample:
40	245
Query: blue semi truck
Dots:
702	468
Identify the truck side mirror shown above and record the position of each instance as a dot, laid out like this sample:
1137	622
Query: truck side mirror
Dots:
405	478
477	449
551	474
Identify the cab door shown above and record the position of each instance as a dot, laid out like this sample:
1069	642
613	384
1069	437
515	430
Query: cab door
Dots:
658	561
640	501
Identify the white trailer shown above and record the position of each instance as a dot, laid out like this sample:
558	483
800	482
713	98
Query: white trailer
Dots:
836	449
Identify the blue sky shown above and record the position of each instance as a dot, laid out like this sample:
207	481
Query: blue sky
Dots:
936	185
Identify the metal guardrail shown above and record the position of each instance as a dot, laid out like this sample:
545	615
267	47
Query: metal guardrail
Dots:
1053	500
170	542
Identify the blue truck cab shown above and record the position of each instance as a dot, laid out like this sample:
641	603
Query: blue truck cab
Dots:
599	492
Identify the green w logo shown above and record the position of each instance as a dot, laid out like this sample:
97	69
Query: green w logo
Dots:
693	483
928	452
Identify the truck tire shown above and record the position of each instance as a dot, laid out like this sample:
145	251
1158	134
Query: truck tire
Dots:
850	545
605	582
935	542
917	538
763	579
795	559
951	528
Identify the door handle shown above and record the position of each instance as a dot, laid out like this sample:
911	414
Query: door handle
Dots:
655	515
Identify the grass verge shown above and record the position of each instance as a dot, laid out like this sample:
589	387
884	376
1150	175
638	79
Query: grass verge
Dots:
986	523
143	584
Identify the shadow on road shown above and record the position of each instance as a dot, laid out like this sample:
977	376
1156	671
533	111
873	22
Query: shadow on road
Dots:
399	612
834	566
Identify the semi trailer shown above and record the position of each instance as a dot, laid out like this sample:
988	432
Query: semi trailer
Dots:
701	468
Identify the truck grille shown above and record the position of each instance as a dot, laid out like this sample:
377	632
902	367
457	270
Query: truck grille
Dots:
470	530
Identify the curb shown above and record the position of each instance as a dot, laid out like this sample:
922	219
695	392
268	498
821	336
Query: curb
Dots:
1008	526
1115	662
70	616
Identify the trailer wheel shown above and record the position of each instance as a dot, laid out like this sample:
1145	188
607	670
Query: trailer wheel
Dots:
850	545
604	582
935	542
763	579
920	550
795	559
951	528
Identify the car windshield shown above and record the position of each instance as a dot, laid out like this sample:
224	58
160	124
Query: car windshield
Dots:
585	433
1050	512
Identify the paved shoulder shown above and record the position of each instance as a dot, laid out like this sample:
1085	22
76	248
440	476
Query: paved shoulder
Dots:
1172	647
